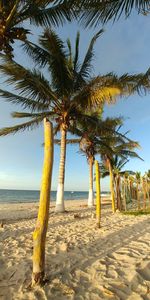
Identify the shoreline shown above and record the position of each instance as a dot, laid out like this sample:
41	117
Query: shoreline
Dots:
12	212
53	200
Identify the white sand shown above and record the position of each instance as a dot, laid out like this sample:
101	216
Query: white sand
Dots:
82	262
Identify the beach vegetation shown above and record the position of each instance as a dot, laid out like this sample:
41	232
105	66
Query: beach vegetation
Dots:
137	213
66	94
112	163
93	135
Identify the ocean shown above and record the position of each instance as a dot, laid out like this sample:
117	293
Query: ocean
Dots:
27	196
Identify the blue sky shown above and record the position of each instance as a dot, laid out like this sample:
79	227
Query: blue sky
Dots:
124	47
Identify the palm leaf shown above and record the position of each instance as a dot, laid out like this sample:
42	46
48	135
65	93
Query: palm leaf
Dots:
95	12
68	141
32	115
85	70
58	67
29	83
40	56
55	15
69	54
76	56
21	127
23	101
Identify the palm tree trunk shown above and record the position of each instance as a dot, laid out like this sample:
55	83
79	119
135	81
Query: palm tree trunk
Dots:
131	191
60	206
144	194
98	194
91	197
112	187
147	191
39	235
124	194
138	196
118	192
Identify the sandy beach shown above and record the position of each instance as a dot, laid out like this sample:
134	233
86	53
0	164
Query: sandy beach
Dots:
82	262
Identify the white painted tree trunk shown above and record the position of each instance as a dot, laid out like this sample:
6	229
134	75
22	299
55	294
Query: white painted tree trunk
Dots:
60	205
91	194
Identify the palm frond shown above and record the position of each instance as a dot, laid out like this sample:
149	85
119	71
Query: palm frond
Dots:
95	12
40	56
58	66
23	101
132	154
143	84
56	14
85	70
94	94
68	141
29	83
32	115
108	88
76	56
21	127
69	54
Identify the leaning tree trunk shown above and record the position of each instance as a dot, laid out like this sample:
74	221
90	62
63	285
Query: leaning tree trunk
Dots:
138	196
147	191
125	193
112	187
118	192
60	206
39	235
98	195
144	193
91	196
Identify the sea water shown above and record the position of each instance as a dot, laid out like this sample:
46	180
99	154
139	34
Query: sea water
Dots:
26	196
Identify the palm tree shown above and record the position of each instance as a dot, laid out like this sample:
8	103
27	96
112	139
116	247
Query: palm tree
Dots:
120	147
98	194
95	12
39	235
40	12
65	94
88	141
87	146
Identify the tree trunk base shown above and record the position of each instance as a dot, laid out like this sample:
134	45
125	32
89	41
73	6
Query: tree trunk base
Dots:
37	278
98	225
59	208
91	205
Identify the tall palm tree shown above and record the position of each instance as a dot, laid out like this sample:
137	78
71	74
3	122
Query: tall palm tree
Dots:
95	12
89	141
65	94
39	235
38	12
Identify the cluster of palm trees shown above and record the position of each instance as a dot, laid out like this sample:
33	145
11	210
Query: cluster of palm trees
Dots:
127	186
65	92
68	95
